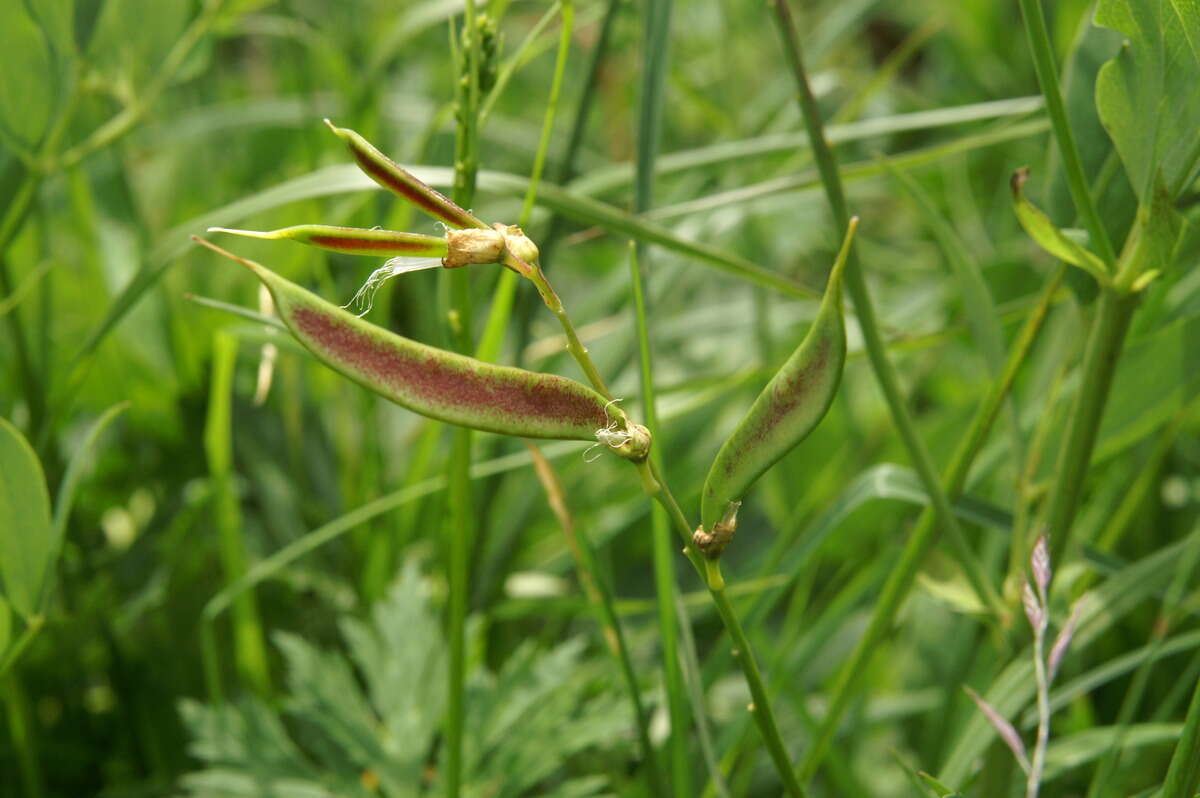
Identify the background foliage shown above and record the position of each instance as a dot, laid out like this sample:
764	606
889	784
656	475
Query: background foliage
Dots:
127	125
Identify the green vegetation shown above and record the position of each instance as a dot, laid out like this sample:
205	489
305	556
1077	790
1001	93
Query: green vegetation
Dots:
965	556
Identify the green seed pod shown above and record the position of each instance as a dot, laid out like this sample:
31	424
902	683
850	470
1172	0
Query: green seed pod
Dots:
352	240
445	385
389	174
786	411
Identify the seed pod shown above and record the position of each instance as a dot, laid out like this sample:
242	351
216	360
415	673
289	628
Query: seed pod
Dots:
445	385
389	174
791	405
352	240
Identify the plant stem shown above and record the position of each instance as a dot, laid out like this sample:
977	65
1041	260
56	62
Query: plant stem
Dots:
20	730
15	649
1037	762
664	559
1047	75
1183	774
900	579
743	653
656	486
600	595
249	640
656	39
461	520
1099	365
856	285
506	286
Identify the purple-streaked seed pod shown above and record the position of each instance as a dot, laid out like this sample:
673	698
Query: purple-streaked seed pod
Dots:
352	240
395	178
787	410
445	385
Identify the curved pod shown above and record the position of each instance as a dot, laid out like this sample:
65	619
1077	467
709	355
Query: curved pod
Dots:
787	410
434	382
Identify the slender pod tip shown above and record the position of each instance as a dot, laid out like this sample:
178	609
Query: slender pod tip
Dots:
257	268
835	274
245	233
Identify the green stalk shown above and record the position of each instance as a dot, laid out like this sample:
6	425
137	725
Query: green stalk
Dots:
664	558
764	716
901	578
1099	365
1183	774
656	487
20	731
600	596
249	646
872	339
9	657
461	519
1115	309
506	286
656	39
1047	75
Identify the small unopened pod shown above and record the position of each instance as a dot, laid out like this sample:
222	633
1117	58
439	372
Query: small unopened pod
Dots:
445	385
787	410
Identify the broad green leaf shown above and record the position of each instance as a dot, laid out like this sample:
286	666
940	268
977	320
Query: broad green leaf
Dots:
1047	235
29	90
378	711
26	542
1158	374
132	37
1146	96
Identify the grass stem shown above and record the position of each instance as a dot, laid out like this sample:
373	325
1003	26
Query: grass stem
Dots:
900	579
1047	75
459	498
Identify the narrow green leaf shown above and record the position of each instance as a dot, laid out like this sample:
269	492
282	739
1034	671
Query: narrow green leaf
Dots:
787	410
5	627
70	480
1183	774
1086	746
1146	96
941	789
1102	607
1047	236
26	541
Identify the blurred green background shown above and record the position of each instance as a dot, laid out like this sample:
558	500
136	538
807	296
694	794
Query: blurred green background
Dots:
128	125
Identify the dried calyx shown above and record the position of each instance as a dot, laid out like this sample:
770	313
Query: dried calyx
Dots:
478	245
711	544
